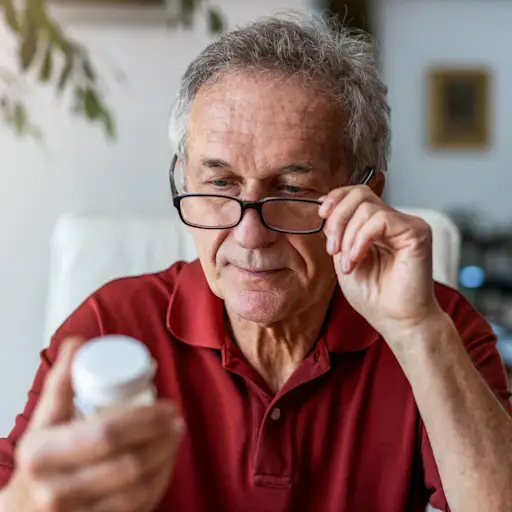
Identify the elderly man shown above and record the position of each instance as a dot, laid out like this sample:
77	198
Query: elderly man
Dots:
307	361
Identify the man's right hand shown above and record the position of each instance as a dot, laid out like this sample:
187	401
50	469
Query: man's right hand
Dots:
118	462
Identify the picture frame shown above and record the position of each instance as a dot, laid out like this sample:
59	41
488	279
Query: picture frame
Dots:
111	12
109	3
459	108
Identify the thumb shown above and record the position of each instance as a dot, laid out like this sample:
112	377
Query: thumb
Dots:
56	402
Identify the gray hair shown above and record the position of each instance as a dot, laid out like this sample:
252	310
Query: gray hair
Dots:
340	61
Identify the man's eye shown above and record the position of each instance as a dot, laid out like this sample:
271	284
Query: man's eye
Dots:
291	189
220	183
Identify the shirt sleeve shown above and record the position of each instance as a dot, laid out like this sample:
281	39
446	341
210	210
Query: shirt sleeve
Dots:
480	342
83	322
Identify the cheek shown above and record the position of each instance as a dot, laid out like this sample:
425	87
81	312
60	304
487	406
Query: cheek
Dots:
311	250
208	243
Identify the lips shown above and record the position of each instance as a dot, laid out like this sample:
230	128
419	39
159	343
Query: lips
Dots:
258	271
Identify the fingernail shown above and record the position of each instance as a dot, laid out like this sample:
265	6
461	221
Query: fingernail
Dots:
325	206
331	244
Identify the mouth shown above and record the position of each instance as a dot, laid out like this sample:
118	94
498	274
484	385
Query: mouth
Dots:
253	272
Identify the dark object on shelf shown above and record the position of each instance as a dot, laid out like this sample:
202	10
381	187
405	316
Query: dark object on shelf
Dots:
485	276
473	277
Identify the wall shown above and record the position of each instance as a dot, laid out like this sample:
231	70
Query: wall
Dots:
414	35
77	170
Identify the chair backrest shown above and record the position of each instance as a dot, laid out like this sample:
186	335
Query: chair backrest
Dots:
446	244
89	250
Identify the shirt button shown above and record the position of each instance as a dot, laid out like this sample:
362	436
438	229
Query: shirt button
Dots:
276	413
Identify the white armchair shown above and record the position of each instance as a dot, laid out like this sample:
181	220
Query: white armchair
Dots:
446	244
89	250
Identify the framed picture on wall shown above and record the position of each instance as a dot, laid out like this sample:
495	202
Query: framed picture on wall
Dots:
109	3
459	108
138	12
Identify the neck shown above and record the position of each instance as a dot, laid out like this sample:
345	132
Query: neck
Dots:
276	350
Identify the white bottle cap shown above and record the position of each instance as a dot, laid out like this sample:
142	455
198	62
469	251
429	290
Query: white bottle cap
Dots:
111	369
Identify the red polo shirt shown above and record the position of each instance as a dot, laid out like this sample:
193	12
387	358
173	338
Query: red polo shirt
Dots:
343	434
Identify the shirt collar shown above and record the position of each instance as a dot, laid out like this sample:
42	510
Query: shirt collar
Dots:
195	316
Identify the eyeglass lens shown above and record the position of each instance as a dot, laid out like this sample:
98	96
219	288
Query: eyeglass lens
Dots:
218	212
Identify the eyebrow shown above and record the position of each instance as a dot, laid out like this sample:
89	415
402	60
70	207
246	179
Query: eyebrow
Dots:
296	168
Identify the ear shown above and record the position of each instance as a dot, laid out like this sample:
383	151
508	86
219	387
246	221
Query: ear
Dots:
377	183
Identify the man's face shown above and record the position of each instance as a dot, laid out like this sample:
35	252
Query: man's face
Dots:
252	137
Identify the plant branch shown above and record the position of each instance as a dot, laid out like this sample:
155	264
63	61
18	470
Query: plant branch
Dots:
44	50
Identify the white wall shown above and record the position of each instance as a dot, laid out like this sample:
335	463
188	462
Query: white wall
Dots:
77	170
414	35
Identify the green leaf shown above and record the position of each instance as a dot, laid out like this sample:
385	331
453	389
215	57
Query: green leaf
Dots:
66	70
28	46
92	105
20	119
109	124
186	13
88	70
215	21
11	15
55	35
189	6
46	69
37	11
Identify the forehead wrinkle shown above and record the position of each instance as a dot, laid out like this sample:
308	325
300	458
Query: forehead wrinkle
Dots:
229	108
263	122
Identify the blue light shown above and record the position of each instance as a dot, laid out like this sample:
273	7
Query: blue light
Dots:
472	277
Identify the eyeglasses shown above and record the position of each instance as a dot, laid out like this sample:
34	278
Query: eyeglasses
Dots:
216	211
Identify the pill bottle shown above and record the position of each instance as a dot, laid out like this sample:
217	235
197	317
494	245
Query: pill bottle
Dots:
112	372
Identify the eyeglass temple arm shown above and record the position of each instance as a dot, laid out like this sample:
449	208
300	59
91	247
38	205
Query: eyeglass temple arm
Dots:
370	172
174	190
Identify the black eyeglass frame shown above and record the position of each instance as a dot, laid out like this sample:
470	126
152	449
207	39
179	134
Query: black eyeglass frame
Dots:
249	205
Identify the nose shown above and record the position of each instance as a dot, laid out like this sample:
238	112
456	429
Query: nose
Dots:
251	233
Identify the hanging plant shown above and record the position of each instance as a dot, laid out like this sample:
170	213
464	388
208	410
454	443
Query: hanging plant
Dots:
56	60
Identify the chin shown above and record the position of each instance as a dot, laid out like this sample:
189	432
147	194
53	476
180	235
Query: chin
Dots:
261	307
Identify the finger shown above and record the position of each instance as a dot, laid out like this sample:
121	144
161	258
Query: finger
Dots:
90	441
144	496
387	228
340	216
119	474
332	199
335	196
56	402
362	215
161	480
367	234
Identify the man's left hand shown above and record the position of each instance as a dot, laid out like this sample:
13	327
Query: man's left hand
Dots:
383	260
